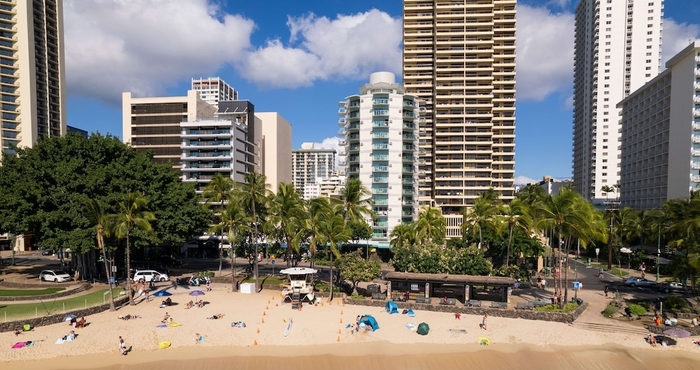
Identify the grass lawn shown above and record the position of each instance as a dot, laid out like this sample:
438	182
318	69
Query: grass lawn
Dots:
269	280
51	307
615	271
28	292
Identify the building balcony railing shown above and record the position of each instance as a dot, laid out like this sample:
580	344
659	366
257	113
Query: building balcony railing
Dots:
342	110
380	191
695	165
206	132
208	143
696	139
696	178
342	132
380	179
696	112
341	121
696	126
380	169
380	157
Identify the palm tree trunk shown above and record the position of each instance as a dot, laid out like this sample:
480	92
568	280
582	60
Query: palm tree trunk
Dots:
510	239
330	297
255	241
233	268
109	282
128	272
221	240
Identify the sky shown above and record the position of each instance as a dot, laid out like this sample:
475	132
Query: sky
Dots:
300	58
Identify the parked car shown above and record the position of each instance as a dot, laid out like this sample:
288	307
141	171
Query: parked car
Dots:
47	252
635	281
671	286
57	276
150	275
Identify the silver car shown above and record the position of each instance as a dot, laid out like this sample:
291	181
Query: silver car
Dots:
672	286
635	281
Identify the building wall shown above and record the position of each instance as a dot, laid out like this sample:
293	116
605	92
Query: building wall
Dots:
617	50
276	148
661	135
309	164
154	123
459	59
33	92
381	144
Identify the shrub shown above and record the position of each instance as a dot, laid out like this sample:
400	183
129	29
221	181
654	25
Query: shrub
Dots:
673	303
636	309
204	273
610	311
357	296
555	308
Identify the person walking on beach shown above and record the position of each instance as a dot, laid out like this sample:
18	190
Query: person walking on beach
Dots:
544	284
122	346
483	322
606	290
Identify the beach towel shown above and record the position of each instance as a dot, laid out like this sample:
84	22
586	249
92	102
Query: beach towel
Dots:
60	341
175	324
484	341
164	344
238	324
30	343
459	331
19	345
162	326
411	326
201	339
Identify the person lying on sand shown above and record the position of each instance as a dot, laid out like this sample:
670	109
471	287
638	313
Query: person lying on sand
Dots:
652	340
80	323
197	338
189	305
17	332
128	316
200	303
166	318
215	317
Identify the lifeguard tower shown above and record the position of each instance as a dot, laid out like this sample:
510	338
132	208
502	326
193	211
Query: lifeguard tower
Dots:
299	285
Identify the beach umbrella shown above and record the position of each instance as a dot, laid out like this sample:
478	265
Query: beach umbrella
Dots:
423	329
162	293
196	292
70	317
677	332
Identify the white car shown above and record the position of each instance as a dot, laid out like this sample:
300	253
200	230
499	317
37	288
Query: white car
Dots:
150	275
57	276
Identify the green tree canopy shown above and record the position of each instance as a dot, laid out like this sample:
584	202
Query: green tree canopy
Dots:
41	191
354	267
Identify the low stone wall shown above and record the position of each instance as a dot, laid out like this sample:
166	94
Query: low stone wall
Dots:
58	318
496	312
694	331
64	293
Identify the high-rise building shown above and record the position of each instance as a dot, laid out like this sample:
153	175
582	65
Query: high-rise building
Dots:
617	50
459	58
328	187
310	163
381	125
661	135
154	123
32	73
213	90
276	146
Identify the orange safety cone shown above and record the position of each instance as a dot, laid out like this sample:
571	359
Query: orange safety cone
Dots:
338	340
276	305
255	342
341	312
258	331
273	297
339	331
341	321
264	313
267	308
330	303
321	304
262	321
268	301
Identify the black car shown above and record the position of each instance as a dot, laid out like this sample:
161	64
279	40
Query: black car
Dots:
47	252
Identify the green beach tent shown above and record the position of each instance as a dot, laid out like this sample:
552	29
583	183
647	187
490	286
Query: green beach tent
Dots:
423	329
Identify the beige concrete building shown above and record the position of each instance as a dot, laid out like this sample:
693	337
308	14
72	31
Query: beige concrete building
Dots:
459	58
309	164
660	124
213	90
154	123
276	148
32	72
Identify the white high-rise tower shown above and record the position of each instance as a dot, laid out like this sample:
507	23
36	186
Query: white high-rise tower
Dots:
618	49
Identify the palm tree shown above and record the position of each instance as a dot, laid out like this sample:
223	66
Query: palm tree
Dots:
234	221
480	216
333	232
403	235
131	215
514	215
356	201
431	225
218	190
571	217
286	214
97	216
254	196
317	209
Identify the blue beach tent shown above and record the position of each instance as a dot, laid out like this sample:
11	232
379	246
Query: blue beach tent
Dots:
391	307
369	321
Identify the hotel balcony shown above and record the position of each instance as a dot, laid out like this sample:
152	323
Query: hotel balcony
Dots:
192	156
211	144
211	166
342	132
696	139
205	133
695	165
696	126
342	110
696	178
341	121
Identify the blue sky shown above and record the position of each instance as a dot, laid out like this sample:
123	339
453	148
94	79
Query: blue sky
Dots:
301	57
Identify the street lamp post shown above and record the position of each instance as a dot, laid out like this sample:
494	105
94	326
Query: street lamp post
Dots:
658	253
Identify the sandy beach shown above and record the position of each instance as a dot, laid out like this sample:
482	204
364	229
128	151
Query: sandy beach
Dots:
320	336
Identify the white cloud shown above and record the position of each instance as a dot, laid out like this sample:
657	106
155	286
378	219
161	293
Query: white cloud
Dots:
545	52
143	46
524	180
676	37
349	46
